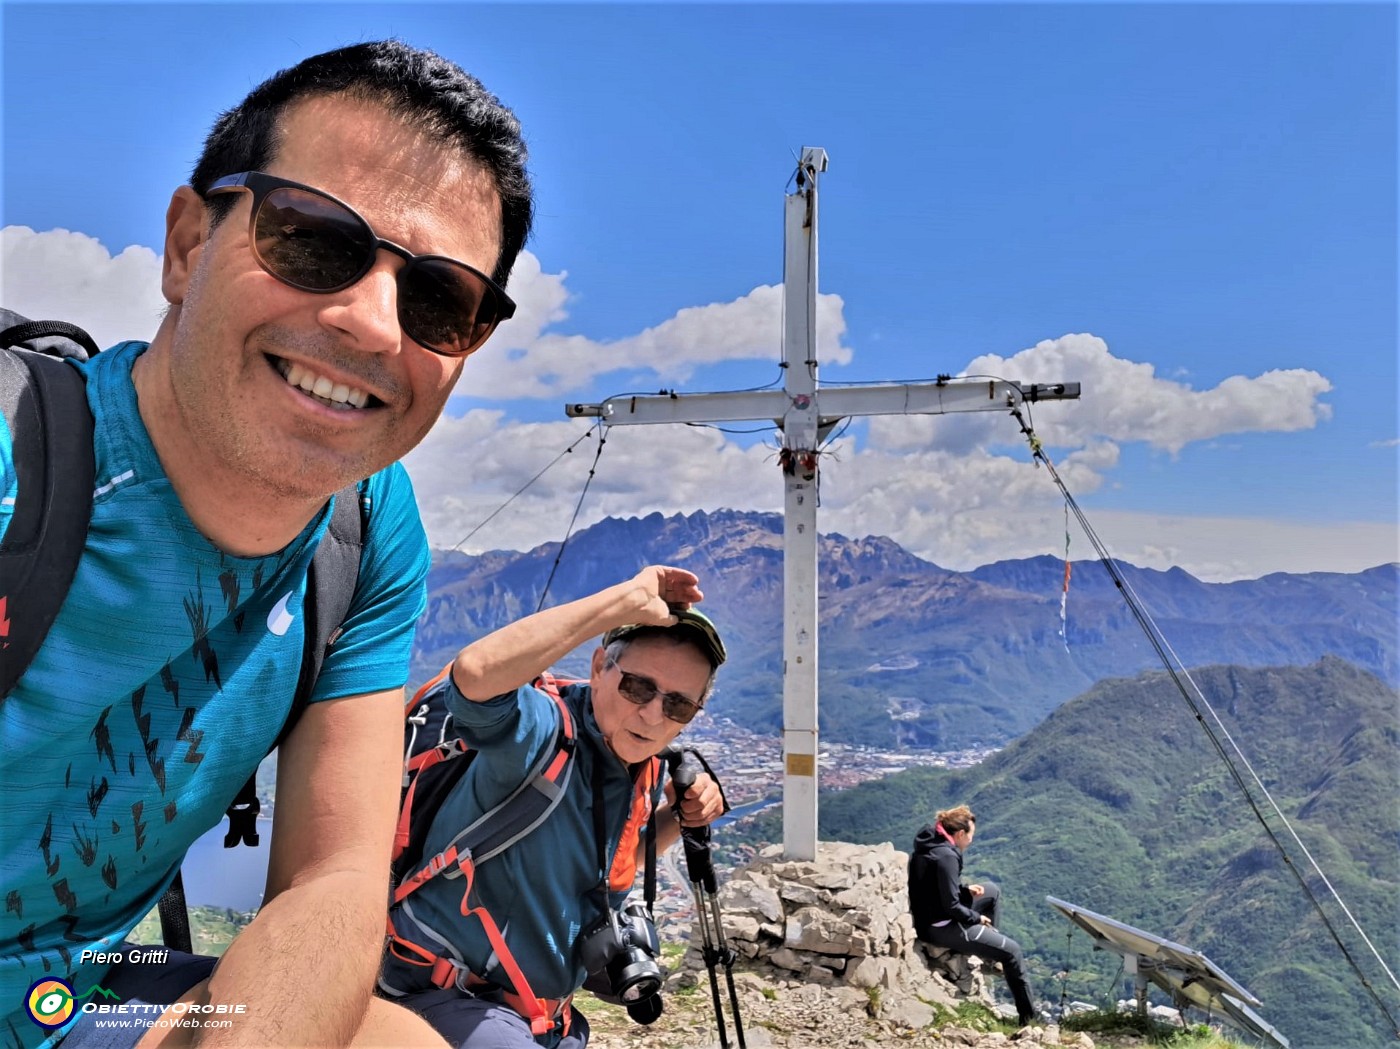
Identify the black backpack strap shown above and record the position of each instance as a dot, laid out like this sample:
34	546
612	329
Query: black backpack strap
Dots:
174	917
330	587
44	402
52	338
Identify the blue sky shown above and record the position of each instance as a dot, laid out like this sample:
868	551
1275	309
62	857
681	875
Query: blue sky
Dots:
1189	208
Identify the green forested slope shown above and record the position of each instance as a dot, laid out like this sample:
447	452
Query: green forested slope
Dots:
1119	803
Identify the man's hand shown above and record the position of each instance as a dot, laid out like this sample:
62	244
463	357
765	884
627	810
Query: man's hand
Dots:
665	591
976	890
703	803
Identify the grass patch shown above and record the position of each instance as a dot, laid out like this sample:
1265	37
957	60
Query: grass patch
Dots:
972	1015
212	929
672	951
1111	1022
873	1007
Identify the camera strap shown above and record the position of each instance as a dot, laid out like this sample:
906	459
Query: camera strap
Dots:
649	879
600	838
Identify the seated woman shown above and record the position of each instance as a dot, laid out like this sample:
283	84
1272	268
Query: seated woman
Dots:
957	917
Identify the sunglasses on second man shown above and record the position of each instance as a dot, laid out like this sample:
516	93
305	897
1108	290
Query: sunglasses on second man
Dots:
313	242
640	691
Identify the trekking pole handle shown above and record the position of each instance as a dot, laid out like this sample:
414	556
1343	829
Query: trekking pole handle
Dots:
685	768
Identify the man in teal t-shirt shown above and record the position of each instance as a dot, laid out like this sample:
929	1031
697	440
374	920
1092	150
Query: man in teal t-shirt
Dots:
339	252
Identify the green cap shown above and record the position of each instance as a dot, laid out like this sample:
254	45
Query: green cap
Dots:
697	626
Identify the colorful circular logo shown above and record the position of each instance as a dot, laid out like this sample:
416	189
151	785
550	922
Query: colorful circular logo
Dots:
50	1003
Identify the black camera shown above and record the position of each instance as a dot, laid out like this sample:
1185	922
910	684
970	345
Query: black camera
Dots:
619	950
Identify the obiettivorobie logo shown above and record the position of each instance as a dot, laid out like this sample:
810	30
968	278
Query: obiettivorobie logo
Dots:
51	1004
51	1001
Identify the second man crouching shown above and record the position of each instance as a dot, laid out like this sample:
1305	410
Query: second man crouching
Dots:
480	956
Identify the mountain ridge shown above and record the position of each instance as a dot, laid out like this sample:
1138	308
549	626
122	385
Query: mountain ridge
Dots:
953	658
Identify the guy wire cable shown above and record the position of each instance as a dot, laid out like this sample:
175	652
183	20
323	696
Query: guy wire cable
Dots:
1122	970
1172	662
1064	972
521	490
593	469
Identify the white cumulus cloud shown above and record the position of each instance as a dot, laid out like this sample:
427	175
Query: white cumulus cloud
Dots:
62	275
1122	401
958	490
525	360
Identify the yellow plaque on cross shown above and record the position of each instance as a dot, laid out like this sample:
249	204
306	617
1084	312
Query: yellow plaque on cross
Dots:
801	765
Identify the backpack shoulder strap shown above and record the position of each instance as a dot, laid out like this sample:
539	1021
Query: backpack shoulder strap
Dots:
330	587
44	403
501	826
51	338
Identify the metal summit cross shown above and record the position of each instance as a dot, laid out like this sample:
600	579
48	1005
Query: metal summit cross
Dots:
806	415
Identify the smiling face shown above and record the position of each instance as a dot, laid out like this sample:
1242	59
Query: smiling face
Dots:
245	367
636	733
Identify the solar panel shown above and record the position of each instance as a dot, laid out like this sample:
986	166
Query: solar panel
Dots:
1188	976
1246	1019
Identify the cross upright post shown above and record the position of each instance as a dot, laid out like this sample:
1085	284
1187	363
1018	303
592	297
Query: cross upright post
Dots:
805	413
799	461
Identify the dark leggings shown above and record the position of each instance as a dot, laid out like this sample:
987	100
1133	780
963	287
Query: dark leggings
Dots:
985	942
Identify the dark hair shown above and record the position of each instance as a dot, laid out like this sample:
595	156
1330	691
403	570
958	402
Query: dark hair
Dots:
956	819
435	94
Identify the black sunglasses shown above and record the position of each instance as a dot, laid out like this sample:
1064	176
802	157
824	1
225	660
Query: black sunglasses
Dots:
313	242
642	690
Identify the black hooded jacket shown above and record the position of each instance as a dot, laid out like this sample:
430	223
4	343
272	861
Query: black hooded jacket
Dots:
935	877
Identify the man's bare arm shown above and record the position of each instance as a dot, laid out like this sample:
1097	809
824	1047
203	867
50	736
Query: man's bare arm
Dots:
305	967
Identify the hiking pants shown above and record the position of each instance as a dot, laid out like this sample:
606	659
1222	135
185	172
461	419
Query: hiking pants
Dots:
984	941
477	1023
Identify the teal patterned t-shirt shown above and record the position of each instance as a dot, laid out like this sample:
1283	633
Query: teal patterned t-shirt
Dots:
161	685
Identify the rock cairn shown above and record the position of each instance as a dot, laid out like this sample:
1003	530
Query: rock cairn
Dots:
841	922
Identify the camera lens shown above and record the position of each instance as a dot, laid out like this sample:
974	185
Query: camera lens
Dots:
646	1011
634	975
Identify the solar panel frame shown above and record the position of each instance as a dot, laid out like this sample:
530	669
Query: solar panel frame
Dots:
1185	974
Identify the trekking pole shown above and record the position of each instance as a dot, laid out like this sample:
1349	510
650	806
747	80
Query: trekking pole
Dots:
699	865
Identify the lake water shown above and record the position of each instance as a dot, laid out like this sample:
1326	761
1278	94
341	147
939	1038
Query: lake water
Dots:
219	877
738	812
